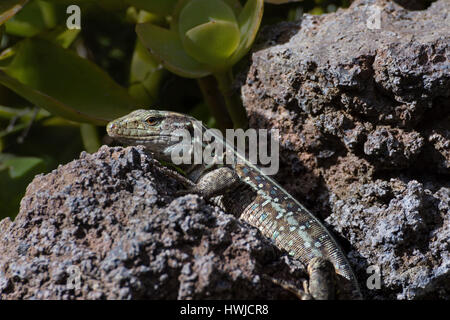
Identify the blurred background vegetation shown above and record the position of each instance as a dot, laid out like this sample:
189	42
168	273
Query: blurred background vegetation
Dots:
59	87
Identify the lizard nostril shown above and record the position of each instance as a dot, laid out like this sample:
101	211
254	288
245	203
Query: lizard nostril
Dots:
110	127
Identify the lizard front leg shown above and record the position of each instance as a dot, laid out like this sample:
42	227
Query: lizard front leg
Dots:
211	184
215	182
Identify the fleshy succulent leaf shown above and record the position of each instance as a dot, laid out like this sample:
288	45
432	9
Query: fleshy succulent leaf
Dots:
167	47
209	31
213	42
249	21
198	12
235	5
161	7
145	76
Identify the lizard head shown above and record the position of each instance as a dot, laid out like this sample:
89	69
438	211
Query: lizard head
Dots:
157	130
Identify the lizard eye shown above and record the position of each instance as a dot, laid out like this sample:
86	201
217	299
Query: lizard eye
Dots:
152	121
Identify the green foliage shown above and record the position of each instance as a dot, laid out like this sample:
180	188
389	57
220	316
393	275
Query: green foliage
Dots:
145	76
64	84
58	87
15	174
206	36
209	31
34	18
159	7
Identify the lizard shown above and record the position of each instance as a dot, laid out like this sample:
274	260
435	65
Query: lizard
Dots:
240	188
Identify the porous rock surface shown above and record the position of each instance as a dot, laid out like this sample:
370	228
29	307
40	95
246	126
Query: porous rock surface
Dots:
364	120
112	218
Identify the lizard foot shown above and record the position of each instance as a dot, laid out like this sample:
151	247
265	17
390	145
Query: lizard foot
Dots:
322	279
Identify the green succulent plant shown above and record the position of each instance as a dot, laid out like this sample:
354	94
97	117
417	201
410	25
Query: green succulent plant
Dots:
206	37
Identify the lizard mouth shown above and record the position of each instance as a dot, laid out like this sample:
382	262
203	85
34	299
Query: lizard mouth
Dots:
139	135
147	139
115	131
